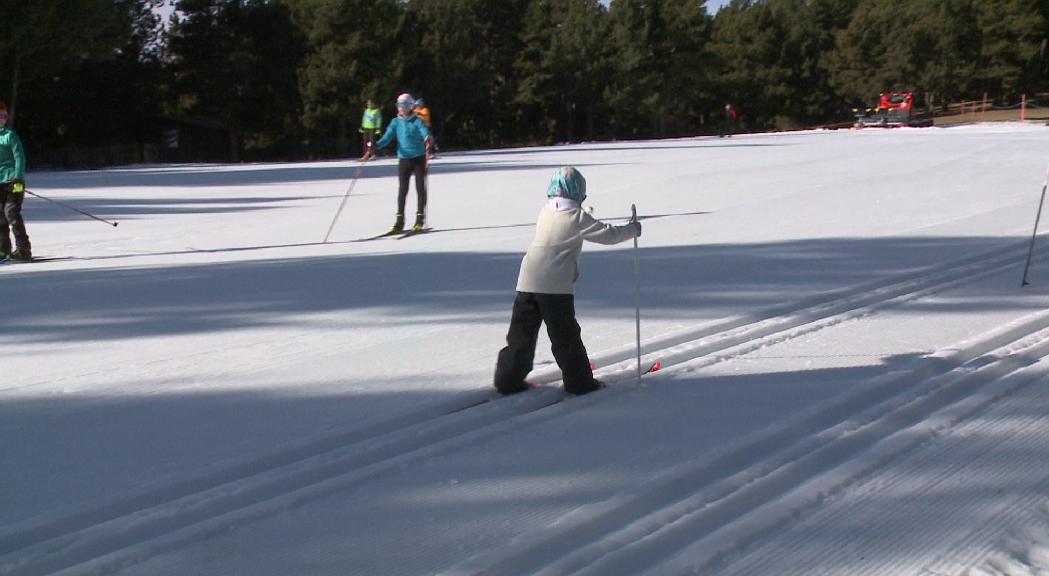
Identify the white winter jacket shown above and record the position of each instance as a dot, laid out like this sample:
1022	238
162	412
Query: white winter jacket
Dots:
551	265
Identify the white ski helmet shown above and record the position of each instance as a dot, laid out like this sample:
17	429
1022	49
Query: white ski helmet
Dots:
405	101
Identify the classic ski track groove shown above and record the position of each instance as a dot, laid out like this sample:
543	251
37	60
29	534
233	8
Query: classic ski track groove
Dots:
956	450
131	528
958	438
836	443
807	316
994	533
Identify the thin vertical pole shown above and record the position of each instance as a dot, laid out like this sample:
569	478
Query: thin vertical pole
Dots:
637	292
345	196
1030	250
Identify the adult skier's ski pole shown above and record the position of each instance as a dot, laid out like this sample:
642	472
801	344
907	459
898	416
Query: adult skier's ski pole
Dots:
77	210
360	168
426	175
637	292
1037	217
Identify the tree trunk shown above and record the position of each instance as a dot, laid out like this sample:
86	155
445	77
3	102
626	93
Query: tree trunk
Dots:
590	119
234	145
340	140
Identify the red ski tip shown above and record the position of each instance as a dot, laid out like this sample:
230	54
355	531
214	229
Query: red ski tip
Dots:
655	367
593	366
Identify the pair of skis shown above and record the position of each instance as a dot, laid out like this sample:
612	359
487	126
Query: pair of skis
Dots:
410	233
650	367
9	260
397	235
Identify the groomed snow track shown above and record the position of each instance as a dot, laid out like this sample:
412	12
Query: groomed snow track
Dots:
777	476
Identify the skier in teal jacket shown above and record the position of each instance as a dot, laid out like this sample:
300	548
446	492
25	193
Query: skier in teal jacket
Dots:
413	145
12	192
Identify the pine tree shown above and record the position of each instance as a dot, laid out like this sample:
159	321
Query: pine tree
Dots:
806	95
561	69
468	52
1013	40
660	59
234	61
747	42
351	50
39	40
925	46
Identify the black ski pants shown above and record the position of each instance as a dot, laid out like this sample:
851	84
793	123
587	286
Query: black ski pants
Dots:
515	360
11	221
367	139
405	168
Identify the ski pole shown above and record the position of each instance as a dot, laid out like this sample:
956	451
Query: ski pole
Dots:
346	196
1037	217
637	293
426	179
77	210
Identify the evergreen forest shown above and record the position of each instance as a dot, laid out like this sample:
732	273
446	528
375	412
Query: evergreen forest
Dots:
96	82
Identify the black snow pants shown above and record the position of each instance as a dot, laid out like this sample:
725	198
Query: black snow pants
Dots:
405	168
515	360
11	221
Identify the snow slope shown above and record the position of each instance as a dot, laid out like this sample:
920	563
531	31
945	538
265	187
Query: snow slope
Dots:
850	381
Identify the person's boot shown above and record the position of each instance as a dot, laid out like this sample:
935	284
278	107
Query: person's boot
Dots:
420	222
21	255
398	225
595	385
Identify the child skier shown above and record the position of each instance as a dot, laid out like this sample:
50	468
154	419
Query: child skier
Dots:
371	126
12	192
545	287
423	112
413	145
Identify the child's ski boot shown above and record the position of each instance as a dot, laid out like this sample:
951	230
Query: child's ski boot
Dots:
398	225
420	221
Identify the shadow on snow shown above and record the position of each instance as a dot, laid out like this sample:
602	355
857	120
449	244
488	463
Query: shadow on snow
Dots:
692	283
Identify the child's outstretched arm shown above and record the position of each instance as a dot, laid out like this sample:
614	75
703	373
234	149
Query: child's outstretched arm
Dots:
597	231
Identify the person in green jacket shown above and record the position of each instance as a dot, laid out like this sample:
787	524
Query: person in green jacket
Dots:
12	192
371	126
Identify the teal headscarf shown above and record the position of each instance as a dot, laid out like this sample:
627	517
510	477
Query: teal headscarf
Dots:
568	183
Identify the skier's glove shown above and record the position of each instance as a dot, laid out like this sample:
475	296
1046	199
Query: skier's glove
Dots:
637	225
17	185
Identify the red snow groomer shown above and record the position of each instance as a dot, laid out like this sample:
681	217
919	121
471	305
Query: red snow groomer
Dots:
894	109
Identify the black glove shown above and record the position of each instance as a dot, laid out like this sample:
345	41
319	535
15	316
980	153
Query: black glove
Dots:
637	224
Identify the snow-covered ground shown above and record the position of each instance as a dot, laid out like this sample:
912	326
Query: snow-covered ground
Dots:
852	374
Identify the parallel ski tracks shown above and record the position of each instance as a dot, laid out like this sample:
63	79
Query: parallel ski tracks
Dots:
951	477
105	537
707	511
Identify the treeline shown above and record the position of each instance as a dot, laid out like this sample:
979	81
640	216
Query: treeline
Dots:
288	79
